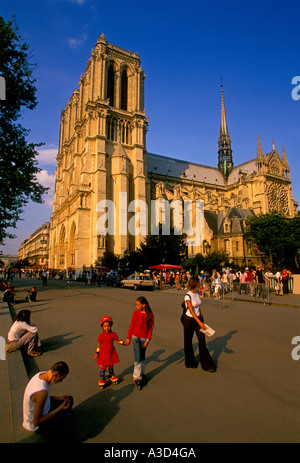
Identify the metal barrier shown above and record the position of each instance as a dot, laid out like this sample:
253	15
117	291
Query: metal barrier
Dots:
248	291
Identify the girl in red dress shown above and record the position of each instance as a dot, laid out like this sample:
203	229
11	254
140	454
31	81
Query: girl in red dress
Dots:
106	353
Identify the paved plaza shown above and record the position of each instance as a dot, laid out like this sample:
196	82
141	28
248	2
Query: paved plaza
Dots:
252	397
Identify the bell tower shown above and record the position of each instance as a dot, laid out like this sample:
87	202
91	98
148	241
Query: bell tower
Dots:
118	94
225	163
101	158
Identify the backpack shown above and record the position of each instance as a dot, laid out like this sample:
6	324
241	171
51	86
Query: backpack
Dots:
184	309
6	296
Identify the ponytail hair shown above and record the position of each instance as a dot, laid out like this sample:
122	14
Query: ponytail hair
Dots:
149	313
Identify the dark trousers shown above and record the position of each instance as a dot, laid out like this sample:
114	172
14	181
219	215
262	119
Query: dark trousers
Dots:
56	430
190	326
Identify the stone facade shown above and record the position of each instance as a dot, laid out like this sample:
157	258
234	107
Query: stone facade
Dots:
36	247
102	154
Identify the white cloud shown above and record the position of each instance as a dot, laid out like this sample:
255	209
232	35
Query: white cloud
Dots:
47	155
48	181
75	42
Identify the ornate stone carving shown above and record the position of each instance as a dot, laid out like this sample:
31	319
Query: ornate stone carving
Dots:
275	167
277	194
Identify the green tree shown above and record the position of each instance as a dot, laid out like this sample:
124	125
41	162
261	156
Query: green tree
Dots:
156	249
132	260
276	238
18	163
109	260
163	249
295	237
22	263
214	260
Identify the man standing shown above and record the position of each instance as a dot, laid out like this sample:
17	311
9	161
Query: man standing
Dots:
260	282
44	277
38	406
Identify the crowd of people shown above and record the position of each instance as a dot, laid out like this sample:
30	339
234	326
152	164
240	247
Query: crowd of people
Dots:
256	282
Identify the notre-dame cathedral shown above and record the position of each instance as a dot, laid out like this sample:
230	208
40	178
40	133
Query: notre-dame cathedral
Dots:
102	153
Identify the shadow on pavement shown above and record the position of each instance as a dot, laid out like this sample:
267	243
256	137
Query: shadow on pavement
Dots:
91	416
218	345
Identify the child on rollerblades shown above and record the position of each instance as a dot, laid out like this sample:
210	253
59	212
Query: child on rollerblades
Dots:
106	354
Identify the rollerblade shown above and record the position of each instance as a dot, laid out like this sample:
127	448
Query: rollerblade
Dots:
139	384
101	383
102	378
114	379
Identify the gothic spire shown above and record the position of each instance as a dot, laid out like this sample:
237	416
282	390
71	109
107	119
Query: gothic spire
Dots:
259	158
284	159
223	127
225	162
259	155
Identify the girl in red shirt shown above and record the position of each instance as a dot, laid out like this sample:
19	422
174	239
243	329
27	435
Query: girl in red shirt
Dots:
106	354
140	332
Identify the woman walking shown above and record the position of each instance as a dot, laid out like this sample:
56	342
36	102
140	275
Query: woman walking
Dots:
192	323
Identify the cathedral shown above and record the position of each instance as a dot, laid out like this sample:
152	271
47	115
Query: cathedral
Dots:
102	159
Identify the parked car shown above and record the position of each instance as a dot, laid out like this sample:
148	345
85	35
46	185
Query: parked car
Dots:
136	281
113	279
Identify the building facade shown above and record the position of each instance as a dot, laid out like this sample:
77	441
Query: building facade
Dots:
105	174
36	247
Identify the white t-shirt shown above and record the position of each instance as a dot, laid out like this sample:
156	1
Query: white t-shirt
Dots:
195	301
35	384
18	329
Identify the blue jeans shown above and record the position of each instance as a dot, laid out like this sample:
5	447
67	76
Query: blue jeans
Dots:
261	291
139	357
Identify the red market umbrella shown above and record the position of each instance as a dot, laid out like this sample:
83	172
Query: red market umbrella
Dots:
164	266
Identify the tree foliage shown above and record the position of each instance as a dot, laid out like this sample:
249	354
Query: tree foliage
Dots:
109	260
213	260
156	249
18	163
276	237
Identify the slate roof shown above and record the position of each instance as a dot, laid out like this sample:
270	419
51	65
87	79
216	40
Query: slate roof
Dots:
172	167
248	168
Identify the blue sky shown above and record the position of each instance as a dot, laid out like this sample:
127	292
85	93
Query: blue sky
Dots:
184	47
